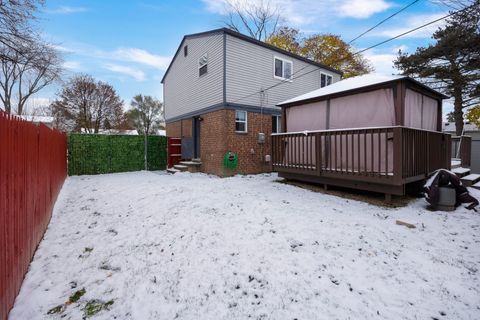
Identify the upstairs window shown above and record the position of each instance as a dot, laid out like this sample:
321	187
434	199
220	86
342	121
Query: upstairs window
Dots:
240	121
325	80
276	124
202	65
185	51
282	69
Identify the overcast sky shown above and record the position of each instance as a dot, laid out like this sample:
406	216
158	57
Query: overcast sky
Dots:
130	43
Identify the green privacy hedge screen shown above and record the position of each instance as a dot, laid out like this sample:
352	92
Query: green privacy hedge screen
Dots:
97	153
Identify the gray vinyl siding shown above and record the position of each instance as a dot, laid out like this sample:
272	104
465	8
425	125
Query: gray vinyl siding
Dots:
250	68
184	91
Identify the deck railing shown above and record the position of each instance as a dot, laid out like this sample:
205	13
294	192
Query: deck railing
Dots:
390	155
462	149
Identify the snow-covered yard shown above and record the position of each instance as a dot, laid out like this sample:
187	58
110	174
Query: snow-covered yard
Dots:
148	245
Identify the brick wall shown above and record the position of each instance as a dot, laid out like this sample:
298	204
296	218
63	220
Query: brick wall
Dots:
218	136
173	129
213	142
251	154
179	129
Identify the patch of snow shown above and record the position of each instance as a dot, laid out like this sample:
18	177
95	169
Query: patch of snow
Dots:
193	246
345	85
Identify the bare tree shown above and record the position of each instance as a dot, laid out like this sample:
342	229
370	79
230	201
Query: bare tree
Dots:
260	19
146	115
25	73
88	106
454	4
16	32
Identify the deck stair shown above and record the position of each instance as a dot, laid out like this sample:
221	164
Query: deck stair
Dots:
186	166
181	167
456	163
192	166
461	172
172	170
470	180
476	186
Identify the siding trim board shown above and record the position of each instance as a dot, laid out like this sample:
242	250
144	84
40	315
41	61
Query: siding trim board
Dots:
224	68
251	40
227	106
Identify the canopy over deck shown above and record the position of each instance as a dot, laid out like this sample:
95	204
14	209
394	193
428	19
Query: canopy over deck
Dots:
351	85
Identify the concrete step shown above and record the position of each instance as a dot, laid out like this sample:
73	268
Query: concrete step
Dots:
476	186
456	163
197	160
180	167
470	180
190	163
172	170
461	172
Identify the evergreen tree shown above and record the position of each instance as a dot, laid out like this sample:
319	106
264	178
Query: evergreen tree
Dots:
452	63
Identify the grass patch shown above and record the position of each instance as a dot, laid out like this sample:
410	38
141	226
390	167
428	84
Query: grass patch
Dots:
57	309
95	306
77	295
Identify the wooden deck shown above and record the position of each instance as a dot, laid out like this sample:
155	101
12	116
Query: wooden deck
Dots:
382	159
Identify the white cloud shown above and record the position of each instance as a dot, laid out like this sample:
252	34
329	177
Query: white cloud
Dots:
66	10
72	65
413	22
143	57
362	9
138	75
382	62
303	12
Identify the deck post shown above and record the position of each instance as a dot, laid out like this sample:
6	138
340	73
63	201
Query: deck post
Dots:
388	198
397	155
318	153
399	103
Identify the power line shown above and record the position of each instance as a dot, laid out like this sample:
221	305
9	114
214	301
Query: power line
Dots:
384	20
358	52
356	38
412	30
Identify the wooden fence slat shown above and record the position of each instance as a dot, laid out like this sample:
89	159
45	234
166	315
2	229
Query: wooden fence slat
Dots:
33	167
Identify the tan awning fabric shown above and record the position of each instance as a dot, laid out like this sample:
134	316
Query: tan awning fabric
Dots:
311	116
370	109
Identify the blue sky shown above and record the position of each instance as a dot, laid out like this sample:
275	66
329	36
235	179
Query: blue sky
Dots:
129	44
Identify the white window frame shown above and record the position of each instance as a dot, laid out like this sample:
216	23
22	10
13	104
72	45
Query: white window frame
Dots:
240	121
279	123
201	66
326	79
283	69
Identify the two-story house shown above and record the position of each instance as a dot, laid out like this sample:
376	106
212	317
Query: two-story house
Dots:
220	92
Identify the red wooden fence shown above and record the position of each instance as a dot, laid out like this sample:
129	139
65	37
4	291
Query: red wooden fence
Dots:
33	167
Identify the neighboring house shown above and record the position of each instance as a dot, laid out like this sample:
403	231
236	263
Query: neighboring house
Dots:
132	132
214	101
473	131
371	132
46	120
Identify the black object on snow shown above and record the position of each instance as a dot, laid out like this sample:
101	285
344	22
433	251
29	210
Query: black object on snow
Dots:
443	178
